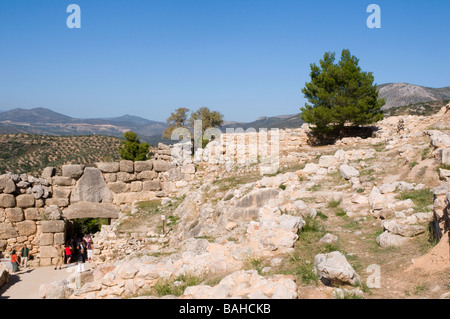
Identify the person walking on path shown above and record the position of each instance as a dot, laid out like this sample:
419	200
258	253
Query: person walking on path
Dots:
14	263
89	248
59	256
81	259
68	252
24	256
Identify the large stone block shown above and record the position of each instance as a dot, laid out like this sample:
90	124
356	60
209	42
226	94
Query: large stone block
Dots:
26	228
7	231
446	156
73	171
147	175
61	191
125	177
25	201
141	166
7	200
63	181
154	185
126	166
7	185
188	169
91	210
60	202
119	187
136	186
91	187
46	239
161	166
14	214
52	226
108	167
48	252
32	214
59	238
48	173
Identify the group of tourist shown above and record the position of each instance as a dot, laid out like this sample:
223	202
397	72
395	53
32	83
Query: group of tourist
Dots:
24	254
76	250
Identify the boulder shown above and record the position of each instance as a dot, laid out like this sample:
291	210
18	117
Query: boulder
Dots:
7	185
387	239
404	230
140	166
126	166
161	166
7	231
14	214
56	290
7	200
327	161
26	228
333	268
348	172
25	201
91	187
108	167
329	239
445	158
48	173
72	171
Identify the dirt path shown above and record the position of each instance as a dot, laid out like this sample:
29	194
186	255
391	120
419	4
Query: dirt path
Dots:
25	283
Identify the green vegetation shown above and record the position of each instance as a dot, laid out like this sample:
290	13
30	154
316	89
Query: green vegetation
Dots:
26	153
132	149
421	198
89	225
340	94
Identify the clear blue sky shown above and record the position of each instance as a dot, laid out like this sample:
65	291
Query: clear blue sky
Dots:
244	58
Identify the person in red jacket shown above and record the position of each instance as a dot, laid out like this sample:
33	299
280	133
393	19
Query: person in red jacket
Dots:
14	263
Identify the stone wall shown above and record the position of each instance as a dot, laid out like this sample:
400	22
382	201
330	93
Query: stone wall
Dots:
35	211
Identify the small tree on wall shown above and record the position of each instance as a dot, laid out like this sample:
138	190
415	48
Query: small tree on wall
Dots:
132	148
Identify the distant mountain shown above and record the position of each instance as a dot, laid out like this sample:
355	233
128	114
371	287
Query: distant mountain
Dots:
280	121
42	121
401	94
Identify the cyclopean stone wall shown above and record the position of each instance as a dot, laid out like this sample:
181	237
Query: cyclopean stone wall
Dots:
35	211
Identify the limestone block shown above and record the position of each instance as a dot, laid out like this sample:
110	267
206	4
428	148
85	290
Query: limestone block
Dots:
108	167
141	166
32	214
161	166
26	228
7	200
59	238
52	226
25	201
7	185
110	177
73	171
48	252
136	186
147	175
118	187
61	191
7	231
63	181
46	239
91	187
14	214
153	185
126	166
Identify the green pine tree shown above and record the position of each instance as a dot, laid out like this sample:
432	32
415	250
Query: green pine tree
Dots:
132	148
340	94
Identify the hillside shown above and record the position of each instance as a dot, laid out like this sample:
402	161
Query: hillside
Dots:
43	121
400	94
23	153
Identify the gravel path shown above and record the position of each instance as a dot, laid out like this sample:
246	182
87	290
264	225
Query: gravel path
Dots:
25	283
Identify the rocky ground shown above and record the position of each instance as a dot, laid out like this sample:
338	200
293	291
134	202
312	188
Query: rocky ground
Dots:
351	220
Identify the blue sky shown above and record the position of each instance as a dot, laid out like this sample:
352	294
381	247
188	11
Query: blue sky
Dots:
244	58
